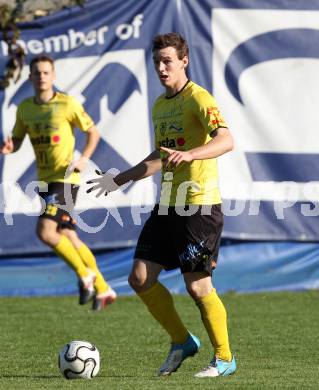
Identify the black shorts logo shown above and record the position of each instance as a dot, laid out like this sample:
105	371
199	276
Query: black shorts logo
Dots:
195	254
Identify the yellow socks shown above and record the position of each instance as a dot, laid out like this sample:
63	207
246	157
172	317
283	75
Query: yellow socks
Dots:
160	304
81	259
69	254
215	320
89	260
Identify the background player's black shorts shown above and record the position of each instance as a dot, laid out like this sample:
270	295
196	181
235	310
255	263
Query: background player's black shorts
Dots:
190	243
55	197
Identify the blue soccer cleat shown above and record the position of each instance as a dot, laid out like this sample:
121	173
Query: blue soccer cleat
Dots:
218	367
178	353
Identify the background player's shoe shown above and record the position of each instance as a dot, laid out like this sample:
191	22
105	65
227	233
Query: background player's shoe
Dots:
86	289
218	367
178	353
103	300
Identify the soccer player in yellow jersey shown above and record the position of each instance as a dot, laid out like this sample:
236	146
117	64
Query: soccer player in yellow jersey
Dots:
49	119
184	229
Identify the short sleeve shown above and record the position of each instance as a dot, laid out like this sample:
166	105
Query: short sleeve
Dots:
78	116
19	130
207	111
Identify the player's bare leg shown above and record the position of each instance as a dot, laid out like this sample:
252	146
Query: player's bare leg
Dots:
104	294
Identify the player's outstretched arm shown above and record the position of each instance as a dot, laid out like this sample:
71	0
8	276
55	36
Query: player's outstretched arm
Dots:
10	145
148	167
108	182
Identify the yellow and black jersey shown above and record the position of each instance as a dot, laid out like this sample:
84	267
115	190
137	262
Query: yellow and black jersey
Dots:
185	121
50	127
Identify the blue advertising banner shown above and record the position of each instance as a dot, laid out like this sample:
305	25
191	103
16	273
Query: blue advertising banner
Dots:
279	266
262	65
258	58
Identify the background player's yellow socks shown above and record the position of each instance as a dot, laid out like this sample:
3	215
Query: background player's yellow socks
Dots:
89	260
69	254
215	320
160	304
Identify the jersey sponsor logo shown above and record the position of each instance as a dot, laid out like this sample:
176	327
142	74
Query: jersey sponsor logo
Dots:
45	140
172	128
55	138
51	209
51	199
163	127
175	128
180	141
171	142
167	143
215	116
210	110
41	140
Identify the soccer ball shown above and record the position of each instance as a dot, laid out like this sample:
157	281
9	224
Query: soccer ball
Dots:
79	359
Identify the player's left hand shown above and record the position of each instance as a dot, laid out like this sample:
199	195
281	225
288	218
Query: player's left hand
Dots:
79	165
175	157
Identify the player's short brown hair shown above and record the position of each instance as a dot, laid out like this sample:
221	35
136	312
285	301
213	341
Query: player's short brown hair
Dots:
171	40
42	58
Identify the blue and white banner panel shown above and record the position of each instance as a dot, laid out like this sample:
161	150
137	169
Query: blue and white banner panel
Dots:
262	70
259	59
280	266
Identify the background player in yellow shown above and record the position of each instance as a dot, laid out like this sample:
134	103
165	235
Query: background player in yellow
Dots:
184	229
49	119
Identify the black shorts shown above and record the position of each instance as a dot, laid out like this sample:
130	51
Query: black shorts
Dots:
190	243
55	197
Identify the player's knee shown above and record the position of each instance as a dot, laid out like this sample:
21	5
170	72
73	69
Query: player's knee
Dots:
196	290
136	282
193	291
47	236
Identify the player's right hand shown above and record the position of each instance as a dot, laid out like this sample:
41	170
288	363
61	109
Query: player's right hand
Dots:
104	183
7	146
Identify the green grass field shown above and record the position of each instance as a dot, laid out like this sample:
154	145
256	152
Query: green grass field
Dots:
274	337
